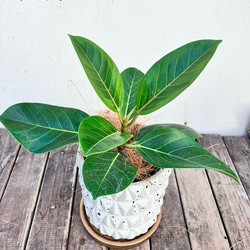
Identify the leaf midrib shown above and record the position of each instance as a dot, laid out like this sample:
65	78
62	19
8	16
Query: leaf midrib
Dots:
100	142
40	126
99	78
168	85
128	99
168	154
129	94
112	163
194	163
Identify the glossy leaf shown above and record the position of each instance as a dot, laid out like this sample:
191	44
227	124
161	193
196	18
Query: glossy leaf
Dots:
107	173
172	74
172	148
40	127
101	71
145	130
131	79
97	135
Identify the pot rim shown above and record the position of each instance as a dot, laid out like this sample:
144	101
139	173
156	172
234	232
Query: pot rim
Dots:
151	178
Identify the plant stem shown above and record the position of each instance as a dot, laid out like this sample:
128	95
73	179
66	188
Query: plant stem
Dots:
123	127
124	124
133	121
119	115
127	145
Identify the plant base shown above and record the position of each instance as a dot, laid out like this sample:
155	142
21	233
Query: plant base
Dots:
109	241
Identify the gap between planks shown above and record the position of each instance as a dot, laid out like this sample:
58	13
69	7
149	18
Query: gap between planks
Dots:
231	198
239	149
238	236
51	223
19	199
8	155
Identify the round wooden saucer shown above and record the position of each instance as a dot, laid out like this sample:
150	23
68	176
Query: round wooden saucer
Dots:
111	242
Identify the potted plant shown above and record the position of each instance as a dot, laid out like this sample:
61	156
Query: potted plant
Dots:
107	175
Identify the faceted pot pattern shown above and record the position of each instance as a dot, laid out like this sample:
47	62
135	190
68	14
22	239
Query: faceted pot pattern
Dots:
129	213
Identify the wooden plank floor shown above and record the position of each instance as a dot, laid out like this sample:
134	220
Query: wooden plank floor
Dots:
40	197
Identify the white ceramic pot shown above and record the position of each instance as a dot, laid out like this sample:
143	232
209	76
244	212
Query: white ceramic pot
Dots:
129	213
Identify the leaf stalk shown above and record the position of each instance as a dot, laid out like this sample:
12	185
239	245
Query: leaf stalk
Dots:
125	125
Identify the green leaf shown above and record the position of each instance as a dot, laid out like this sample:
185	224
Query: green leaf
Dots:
101	72
97	135
131	79
107	173
172	148
40	127
172	74
145	130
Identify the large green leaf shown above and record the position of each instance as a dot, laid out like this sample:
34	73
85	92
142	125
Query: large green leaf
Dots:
40	127
145	130
107	173
172	148
131	79
97	135
172	74
101	71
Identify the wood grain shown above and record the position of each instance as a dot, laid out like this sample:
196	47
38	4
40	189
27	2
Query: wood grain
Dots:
40	204
79	238
231	197
172	231
19	199
51	222
144	246
8	152
204	225
239	150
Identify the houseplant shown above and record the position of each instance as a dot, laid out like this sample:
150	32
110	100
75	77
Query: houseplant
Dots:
41	127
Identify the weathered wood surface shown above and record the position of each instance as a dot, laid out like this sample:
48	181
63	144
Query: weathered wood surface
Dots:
203	220
239	150
172	232
8	152
232	200
19	199
79	238
40	197
50	227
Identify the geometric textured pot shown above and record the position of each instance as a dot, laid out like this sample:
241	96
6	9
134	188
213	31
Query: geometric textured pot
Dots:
129	213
